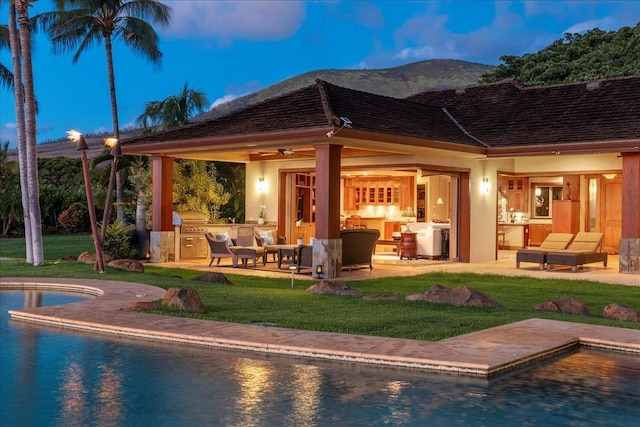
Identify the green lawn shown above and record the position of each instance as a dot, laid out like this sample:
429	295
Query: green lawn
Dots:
273	302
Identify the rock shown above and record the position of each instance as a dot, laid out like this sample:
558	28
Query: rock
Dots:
214	277
380	297
546	306
69	258
144	305
89	258
183	299
334	287
621	312
564	305
460	296
127	265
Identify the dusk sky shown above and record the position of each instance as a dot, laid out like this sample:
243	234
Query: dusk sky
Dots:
228	49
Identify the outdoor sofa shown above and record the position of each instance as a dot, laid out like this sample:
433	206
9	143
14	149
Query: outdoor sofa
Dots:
584	249
357	249
538	255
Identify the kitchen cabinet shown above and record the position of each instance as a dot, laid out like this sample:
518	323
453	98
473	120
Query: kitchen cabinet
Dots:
516	191
566	216
378	191
537	233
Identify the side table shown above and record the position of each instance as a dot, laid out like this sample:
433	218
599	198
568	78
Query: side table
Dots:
408	245
289	251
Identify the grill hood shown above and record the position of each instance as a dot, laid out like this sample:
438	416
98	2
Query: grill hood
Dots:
189	218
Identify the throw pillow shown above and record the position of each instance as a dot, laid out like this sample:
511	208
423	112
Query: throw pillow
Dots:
267	238
225	236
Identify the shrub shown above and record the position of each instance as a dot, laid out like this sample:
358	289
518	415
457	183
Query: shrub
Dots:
120	241
75	218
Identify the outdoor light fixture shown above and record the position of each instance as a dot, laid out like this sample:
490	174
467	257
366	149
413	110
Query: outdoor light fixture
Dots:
262	185
485	185
410	216
609	175
346	123
82	146
319	271
114	145
293	269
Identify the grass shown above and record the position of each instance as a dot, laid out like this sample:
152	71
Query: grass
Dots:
271	301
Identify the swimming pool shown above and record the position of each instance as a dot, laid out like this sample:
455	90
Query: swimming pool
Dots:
52	377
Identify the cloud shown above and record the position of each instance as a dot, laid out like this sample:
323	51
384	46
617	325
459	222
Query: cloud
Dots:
228	21
223	100
605	24
8	133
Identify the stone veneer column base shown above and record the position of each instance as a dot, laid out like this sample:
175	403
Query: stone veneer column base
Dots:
630	255
162	247
327	253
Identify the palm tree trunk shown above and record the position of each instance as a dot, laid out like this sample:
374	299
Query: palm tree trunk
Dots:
30	133
116	127
20	127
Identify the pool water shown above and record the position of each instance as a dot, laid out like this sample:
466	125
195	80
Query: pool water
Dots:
52	377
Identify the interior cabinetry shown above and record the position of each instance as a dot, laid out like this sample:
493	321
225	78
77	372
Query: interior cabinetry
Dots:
515	190
305	197
378	191
421	208
566	216
537	233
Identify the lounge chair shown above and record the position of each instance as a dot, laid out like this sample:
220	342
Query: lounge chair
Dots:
553	242
269	240
583	250
358	246
220	249
246	247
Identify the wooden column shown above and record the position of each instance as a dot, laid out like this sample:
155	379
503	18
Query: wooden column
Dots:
630	233
327	191
162	193
327	245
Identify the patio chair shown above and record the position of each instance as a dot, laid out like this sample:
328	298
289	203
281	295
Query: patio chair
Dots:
220	249
269	240
246	248
554	241
305	257
583	250
358	247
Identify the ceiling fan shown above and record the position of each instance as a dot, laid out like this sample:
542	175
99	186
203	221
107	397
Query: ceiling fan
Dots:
285	152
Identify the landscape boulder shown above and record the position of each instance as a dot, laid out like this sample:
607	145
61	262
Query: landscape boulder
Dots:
89	258
213	277
564	305
621	312
380	297
183	299
127	264
460	296
334	287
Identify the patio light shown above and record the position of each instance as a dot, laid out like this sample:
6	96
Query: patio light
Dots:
485	186
82	146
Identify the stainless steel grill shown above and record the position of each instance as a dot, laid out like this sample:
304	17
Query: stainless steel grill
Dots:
190	228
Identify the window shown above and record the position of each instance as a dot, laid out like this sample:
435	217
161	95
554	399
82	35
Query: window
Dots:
542	197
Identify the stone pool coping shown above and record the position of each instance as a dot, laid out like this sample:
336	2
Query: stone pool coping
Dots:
484	353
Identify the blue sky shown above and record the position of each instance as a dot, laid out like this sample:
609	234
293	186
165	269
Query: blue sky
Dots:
229	48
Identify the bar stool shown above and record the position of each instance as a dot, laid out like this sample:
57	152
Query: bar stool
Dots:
501	237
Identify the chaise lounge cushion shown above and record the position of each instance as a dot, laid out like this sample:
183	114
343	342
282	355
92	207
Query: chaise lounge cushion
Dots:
583	250
538	255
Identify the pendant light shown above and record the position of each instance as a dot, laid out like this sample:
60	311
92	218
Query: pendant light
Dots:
439	201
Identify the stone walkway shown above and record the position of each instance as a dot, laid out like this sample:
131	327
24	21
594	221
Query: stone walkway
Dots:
484	353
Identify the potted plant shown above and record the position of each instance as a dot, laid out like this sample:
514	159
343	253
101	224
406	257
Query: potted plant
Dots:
262	216
299	234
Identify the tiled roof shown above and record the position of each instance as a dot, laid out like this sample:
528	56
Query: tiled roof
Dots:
491	116
506	114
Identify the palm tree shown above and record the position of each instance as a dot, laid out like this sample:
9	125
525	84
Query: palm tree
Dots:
6	76
26	125
173	111
78	24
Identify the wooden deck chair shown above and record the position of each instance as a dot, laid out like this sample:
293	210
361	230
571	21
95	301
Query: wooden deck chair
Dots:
584	249
553	242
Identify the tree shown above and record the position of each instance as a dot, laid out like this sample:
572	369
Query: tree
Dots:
195	188
83	23
24	98
173	111
10	207
593	55
6	76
